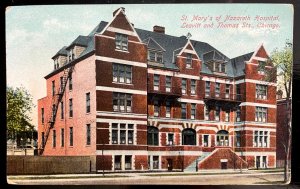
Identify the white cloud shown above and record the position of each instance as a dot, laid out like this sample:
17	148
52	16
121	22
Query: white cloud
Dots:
54	25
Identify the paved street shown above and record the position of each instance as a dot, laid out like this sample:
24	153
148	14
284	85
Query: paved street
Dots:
247	178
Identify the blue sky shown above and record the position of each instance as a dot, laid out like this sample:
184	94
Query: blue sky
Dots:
35	33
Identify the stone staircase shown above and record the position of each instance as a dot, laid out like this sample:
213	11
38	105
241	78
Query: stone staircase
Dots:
192	166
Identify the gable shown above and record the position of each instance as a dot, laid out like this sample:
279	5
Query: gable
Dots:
120	24
188	48
120	21
262	52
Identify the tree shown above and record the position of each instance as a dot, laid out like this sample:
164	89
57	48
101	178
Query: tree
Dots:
19	105
283	62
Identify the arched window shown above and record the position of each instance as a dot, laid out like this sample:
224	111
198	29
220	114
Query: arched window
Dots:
222	138
188	137
152	135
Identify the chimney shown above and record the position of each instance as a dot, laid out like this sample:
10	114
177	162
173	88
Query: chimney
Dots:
118	10
159	29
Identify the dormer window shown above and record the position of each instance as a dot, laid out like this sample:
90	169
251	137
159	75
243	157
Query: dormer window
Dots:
155	56
189	61
56	65
219	67
261	67
121	42
71	55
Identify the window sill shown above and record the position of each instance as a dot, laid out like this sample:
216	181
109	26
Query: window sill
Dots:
125	51
122	83
71	146
88	113
265	99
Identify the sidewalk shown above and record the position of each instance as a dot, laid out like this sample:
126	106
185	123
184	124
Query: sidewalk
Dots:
144	174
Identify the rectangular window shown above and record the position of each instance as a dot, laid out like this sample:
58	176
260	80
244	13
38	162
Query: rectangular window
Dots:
217	91
183	110
88	134
122	73
61	85
88	102
183	85
261	139
227	115
53	113
155	162
62	137
151	56
130	133
227	91
122	102
217	113
193	87
62	113
261	91
122	133
238	114
205	140
156	108
168	109
72	54
70	107
193	111
223	68
238	138
70	82
43	139
168	83
53	88
264	161
71	136
189	60
261	67
206	112
43	114
217	67
54	139
128	160
156	82
238	92
207	88
115	138
261	114
159	57
170	138
121	42
118	162
155	56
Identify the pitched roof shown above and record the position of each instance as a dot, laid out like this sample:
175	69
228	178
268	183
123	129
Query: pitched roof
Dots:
170	45
62	51
80	40
152	44
238	63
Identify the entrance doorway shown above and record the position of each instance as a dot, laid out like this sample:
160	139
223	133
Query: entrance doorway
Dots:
223	165
170	164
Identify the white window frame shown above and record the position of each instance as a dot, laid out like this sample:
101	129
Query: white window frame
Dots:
121	42
127	129
261	92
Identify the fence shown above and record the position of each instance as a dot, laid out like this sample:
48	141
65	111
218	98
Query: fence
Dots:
18	165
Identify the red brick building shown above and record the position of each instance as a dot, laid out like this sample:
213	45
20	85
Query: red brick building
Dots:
144	100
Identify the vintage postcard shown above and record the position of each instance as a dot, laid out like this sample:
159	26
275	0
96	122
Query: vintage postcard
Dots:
149	94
